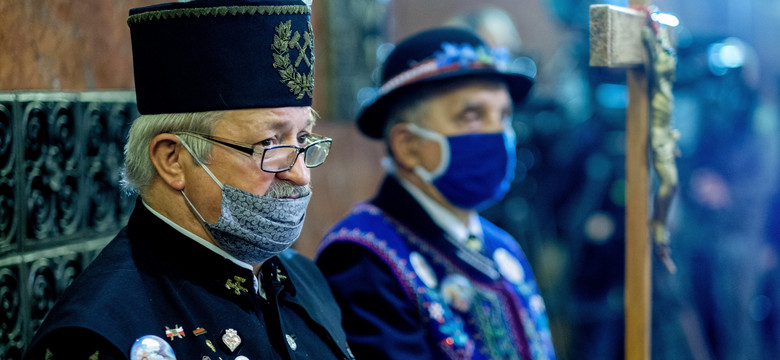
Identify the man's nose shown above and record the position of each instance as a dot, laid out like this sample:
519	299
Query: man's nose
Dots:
299	174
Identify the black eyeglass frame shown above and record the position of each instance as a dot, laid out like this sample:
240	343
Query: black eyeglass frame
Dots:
249	149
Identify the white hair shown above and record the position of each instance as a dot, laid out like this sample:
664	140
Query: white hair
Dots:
139	171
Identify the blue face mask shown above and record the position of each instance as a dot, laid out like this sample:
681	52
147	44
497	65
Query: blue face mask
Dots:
475	170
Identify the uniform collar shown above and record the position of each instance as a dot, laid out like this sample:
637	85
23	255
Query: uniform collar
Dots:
443	217
207	245
398	203
165	249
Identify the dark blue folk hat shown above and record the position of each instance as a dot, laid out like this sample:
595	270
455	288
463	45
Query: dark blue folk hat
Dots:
208	55
436	55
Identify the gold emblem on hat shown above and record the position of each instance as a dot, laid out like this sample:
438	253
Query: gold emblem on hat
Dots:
284	40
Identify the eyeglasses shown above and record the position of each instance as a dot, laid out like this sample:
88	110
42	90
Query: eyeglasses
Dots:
278	158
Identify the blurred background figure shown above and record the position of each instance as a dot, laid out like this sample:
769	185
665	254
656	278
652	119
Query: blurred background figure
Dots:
729	146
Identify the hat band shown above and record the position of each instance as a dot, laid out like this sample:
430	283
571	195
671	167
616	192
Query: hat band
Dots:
451	57
218	11
426	70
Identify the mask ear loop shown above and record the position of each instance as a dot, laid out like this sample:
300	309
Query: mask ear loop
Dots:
510	135
197	159
444	162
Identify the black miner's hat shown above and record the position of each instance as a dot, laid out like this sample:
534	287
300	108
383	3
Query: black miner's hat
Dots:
208	55
435	55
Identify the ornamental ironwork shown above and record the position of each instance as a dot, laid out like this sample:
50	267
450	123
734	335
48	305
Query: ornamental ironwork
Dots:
60	201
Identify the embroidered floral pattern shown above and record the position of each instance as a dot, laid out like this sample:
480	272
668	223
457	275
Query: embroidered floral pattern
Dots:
503	320
465	55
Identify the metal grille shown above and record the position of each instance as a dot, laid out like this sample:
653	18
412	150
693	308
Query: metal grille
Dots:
60	201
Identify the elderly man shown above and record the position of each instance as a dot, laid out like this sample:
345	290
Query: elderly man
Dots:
418	274
220	159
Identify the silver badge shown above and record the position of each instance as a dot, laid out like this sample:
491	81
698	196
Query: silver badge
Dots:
423	270
231	339
291	341
509	266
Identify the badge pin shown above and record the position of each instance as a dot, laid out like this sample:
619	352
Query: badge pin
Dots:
231	339
509	266
280	276
236	285
473	243
291	341
436	312
457	292
177	331
211	345
199	331
423	270
151	347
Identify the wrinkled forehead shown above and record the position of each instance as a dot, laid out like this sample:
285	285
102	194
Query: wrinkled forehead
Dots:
272	119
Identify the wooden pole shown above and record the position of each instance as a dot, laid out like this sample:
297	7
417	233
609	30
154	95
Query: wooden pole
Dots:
616	42
638	279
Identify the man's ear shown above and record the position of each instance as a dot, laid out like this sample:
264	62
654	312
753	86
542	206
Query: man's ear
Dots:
405	146
165	155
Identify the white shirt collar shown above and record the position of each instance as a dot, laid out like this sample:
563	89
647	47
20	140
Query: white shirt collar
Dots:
443	217
207	244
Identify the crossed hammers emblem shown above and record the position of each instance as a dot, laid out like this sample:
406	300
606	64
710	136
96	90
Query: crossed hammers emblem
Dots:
294	43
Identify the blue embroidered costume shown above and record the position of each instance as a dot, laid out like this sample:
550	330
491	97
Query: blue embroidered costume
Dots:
409	291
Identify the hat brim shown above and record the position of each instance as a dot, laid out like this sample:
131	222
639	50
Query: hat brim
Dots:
372	118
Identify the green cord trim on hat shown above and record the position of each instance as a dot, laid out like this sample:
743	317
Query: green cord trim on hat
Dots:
217	11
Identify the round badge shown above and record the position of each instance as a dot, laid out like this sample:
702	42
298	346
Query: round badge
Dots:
537	304
423	270
457	292
151	347
509	266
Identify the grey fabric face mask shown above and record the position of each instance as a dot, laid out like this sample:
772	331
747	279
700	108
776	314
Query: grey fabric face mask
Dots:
254	228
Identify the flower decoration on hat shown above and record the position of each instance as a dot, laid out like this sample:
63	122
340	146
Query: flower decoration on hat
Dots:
451	57
432	56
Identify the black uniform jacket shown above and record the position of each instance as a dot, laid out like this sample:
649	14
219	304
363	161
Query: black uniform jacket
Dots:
152	280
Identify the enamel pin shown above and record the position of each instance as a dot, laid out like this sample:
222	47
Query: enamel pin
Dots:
177	331
211	345
231	339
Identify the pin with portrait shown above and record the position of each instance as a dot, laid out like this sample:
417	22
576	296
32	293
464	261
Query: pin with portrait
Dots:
151	347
